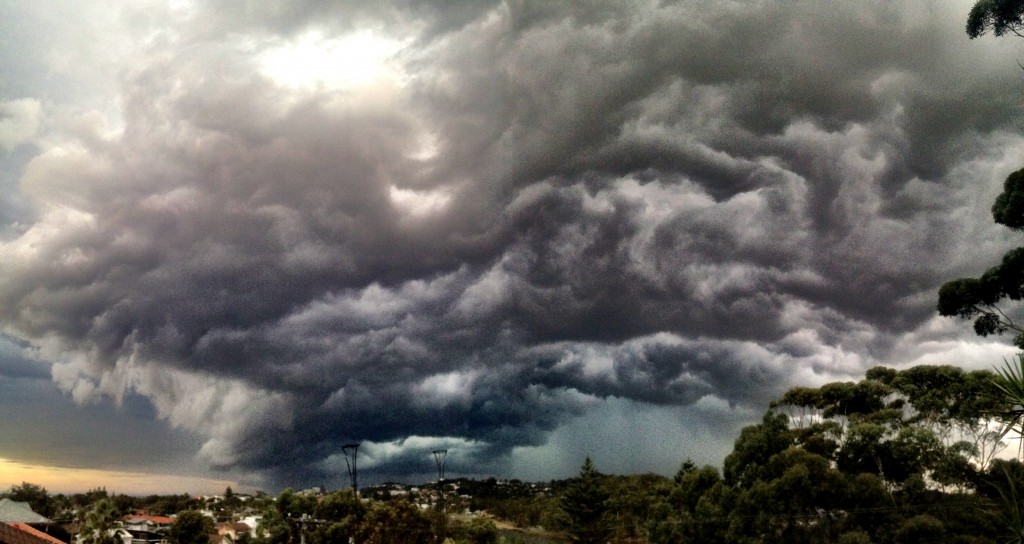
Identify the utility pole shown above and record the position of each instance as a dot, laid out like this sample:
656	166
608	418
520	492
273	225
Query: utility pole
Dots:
352	449
439	456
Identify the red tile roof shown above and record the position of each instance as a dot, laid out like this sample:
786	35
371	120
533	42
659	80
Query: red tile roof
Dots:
11	534
30	529
159	520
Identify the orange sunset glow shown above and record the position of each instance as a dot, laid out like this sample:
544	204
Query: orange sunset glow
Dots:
76	480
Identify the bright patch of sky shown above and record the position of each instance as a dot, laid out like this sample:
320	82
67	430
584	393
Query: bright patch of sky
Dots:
315	61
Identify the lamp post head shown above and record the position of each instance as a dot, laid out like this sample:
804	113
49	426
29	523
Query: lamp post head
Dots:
352	471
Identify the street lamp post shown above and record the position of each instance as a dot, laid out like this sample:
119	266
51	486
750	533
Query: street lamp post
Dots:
439	456
352	449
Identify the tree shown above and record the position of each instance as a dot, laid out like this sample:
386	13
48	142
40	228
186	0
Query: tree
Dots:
36	496
100	524
999	16
230	504
478	530
341	512
879	460
1010	383
190	527
396	522
584	502
979	298
287	511
755	446
272	528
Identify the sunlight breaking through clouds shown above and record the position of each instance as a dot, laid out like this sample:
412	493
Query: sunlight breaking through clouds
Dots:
313	60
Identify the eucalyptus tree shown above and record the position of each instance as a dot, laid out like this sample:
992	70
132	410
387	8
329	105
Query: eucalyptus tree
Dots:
890	458
999	16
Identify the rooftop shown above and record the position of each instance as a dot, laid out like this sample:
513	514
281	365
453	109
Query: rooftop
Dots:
23	534
14	511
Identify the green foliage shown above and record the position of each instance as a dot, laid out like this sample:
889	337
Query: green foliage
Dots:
921	529
854	537
755	446
293	505
978	298
892	458
36	496
396	522
477	531
1008	205
339	505
1008	487
343	512
1009	381
332	532
168	505
190	527
100	523
999	16
229	505
584	502
272	528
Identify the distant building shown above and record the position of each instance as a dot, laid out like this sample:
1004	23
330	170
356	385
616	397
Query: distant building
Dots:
144	522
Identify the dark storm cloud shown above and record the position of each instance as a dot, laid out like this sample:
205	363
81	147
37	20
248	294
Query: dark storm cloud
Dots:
553	204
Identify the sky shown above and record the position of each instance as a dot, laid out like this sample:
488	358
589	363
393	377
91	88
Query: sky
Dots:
238	235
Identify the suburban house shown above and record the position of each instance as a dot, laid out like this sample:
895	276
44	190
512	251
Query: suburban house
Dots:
145	529
233	530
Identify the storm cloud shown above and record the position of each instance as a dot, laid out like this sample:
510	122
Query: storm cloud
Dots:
477	225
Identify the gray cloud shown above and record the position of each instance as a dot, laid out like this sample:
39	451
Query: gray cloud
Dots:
540	211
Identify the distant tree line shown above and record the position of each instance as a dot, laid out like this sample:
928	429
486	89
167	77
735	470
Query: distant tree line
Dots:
342	517
899	457
62	507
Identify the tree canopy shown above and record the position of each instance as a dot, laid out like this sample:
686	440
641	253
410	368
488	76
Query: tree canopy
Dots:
36	496
999	16
899	456
979	298
191	527
100	524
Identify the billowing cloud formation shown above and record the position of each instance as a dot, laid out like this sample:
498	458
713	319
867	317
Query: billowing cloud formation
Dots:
295	227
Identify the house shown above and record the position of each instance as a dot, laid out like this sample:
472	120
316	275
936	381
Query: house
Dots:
139	536
146	529
233	530
22	533
251	521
